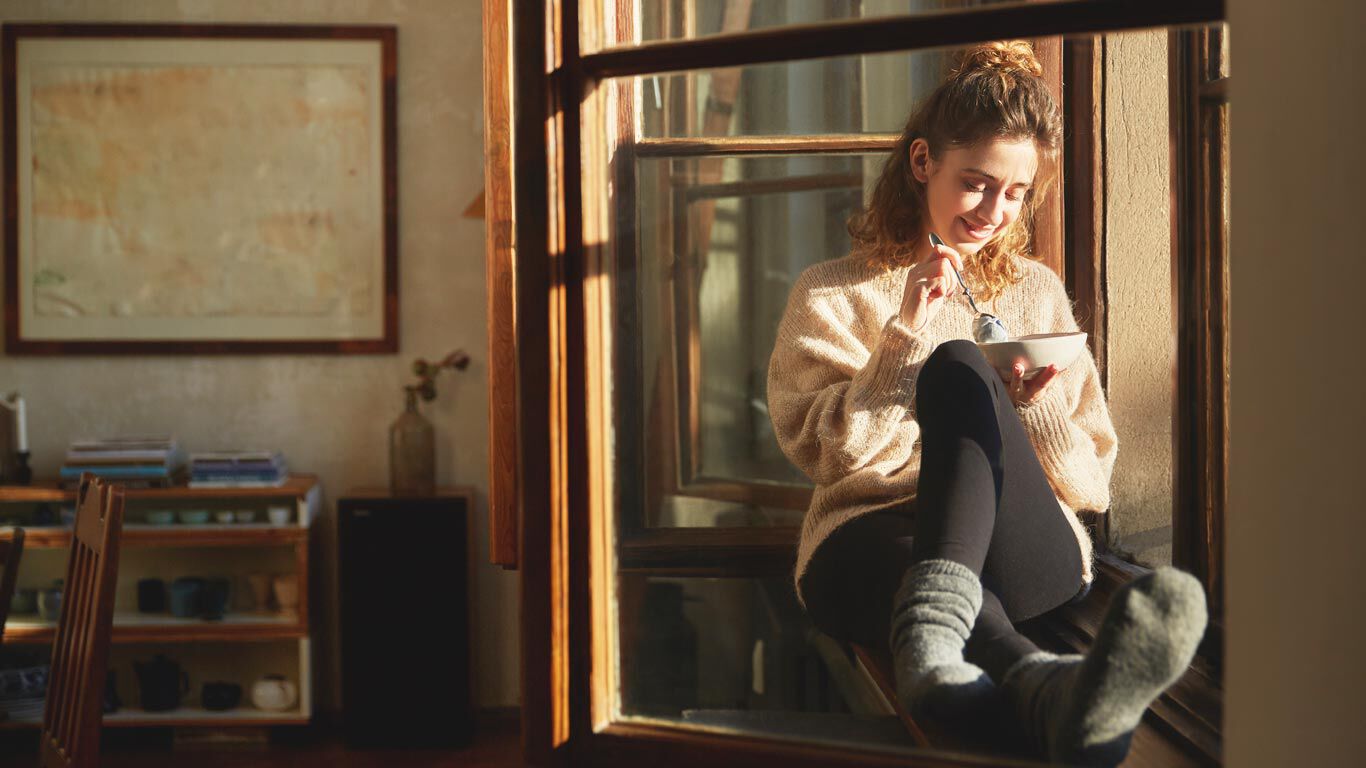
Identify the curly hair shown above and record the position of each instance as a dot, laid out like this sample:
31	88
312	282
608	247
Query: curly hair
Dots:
996	91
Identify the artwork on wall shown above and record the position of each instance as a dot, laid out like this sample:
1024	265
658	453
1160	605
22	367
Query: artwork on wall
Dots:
200	189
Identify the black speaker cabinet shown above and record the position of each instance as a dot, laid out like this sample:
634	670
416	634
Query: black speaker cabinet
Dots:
404	580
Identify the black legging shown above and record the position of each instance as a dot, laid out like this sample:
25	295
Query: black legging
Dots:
983	500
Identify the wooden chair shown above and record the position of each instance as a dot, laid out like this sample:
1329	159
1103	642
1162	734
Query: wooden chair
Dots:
11	549
80	653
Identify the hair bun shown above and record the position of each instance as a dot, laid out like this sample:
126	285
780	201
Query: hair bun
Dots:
1015	57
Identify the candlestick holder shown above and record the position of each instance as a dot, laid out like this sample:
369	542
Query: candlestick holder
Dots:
23	473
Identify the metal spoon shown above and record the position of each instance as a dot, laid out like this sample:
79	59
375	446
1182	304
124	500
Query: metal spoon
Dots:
986	328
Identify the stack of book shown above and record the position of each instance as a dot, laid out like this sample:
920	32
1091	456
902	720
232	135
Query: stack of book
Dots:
238	469
148	462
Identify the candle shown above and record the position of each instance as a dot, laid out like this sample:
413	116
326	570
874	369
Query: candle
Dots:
23	425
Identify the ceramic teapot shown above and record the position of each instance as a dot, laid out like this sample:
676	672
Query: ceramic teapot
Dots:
162	683
273	693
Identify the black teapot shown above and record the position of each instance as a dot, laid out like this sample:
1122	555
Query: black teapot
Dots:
162	683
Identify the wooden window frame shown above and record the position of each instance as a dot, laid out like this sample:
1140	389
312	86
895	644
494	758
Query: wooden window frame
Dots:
560	243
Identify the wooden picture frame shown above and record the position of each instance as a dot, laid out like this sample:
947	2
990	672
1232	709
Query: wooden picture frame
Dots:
200	189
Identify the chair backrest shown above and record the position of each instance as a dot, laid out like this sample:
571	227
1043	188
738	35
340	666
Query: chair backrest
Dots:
80	653
11	549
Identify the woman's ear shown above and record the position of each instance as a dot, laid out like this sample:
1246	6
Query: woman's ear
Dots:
920	160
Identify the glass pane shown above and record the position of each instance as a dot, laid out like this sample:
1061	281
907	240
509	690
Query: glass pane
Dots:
686	19
767	672
720	242
845	95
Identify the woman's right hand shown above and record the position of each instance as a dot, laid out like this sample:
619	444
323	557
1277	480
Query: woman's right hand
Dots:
927	285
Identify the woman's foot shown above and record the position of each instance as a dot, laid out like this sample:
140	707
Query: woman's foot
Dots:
1082	710
932	615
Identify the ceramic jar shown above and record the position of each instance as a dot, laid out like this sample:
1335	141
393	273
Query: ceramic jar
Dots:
274	693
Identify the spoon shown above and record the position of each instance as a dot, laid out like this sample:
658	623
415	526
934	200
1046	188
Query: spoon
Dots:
987	328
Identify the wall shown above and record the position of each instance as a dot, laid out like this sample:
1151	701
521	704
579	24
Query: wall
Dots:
1296	675
1140	351
330	414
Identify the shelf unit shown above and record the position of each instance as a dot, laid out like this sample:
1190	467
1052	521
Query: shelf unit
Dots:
164	633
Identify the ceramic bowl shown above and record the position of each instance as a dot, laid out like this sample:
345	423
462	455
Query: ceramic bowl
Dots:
280	515
1038	351
245	515
194	516
223	516
160	517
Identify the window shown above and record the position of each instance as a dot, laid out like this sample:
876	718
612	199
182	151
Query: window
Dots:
696	162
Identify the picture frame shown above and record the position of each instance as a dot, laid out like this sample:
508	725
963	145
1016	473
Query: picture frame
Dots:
200	189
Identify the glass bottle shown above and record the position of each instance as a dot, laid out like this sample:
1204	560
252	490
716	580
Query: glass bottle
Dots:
412	452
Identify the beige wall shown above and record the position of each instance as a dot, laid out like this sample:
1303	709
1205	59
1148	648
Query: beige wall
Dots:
329	414
1140	351
1296	671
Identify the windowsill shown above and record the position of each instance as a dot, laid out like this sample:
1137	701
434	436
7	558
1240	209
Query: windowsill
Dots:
1180	728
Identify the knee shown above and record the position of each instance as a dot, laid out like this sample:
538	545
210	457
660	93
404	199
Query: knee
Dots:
956	355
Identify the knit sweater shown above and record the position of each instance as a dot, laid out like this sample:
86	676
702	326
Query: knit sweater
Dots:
841	394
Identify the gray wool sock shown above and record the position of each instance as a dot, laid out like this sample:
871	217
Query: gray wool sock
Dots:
932	615
1082	710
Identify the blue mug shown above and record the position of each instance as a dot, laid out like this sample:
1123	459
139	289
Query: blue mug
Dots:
186	597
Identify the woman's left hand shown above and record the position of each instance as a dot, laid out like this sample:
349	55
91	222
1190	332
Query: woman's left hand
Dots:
1024	392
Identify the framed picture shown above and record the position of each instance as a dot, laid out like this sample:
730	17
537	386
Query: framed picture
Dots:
200	189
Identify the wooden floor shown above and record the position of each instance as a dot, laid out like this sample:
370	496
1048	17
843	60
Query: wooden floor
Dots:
496	743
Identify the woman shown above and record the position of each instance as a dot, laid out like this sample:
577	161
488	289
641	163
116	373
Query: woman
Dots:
946	493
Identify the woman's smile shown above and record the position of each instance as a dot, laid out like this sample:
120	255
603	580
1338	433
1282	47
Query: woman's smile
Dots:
976	231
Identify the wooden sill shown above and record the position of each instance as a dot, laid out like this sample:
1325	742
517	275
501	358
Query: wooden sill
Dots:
1181	728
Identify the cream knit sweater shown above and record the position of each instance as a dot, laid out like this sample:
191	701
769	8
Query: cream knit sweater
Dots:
841	394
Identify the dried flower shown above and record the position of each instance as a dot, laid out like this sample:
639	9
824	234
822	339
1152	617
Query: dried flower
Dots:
426	372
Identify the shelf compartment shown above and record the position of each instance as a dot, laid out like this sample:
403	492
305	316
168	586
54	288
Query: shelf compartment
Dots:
161	628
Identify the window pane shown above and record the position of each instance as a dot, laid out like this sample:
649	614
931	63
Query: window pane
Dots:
843	95
720	242
686	19
769	672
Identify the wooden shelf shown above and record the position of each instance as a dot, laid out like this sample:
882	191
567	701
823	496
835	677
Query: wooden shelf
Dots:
184	716
296	487
205	535
163	628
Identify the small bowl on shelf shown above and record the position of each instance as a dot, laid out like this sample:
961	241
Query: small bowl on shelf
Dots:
160	517
245	515
194	516
223	516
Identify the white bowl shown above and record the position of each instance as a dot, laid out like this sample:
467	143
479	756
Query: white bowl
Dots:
1038	351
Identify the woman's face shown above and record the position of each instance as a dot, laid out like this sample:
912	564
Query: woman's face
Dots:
975	193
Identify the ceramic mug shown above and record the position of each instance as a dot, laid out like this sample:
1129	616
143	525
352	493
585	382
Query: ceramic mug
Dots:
213	600
25	601
279	515
185	597
259	584
286	588
50	604
151	596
